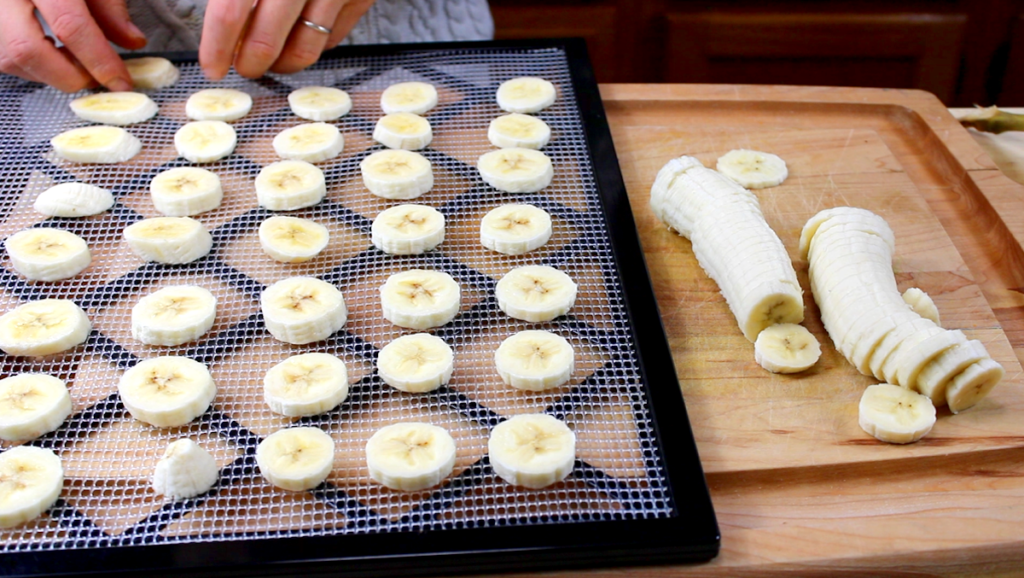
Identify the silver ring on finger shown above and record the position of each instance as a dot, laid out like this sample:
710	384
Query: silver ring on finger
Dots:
315	26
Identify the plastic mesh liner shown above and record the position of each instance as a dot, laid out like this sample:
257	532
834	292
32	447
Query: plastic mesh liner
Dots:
109	457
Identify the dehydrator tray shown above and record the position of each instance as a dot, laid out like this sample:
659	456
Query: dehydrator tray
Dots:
637	493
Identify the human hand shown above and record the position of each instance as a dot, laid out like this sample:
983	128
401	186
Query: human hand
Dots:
84	26
271	35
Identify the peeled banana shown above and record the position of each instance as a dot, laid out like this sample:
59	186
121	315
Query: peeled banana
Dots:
753	169
403	130
515	229
414	97
410	456
302	310
185	470
32	479
311	142
185	191
96	144
320	102
167	391
116	108
307	384
73	200
171	240
532	450
32	404
173	315
290	185
416	363
516	170
397	174
895	414
291	239
296	459
151	72
535	293
786	348
224	104
43	327
205	141
45	254
419	299
922	304
535	360
525	94
407	229
518	131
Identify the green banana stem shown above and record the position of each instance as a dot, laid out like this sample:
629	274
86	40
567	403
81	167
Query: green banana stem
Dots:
993	120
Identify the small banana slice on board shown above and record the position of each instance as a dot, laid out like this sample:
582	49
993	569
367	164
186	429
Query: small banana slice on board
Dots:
96	144
786	348
185	191
535	293
974	383
416	363
407	229
535	360
291	239
205	141
32	481
922	304
167	391
753	169
516	170
934	377
414	97
319	103
515	229
301	310
297	458
173	315
115	108
532	450
306	384
223	104
410	456
311	142
45	254
397	174
43	327
525	94
419	299
894	414
404	131
32	404
184	471
518	131
73	200
170	240
290	185
152	72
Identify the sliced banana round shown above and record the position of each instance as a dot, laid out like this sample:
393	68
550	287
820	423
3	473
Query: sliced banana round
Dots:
291	239
45	254
171	240
535	293
307	384
515	229
173	315
407	229
535	360
205	141
116	108
526	94
935	376
922	304
32	481
416	363
419	299
218	104
296	459
974	383
302	310
518	131
753	169
73	200
786	348
894	414
167	391
532	450
516	170
290	185
185	191
185	470
96	144
403	130
320	102
410	456
43	327
32	404
396	174
414	97
152	72
311	142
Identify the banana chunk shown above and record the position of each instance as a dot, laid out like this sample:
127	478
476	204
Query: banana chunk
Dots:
45	254
518	131
96	144
173	315
73	200
404	131
152	72
414	97
753	169
223	104
525	94
515	229
307	384
171	240
922	304
410	456
535	360
116	108
407	229
301	310
292	240
311	142
894	414
290	185
186	191
786	348
319	103
205	141
516	170
532	450
185	471
535	293
416	363
32	481
296	459
32	404
973	384
397	174
43	327
167	391
418	299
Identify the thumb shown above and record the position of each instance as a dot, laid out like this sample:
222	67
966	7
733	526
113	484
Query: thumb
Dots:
112	18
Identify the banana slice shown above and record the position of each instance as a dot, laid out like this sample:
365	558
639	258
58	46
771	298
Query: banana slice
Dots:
116	108
968	388
302	310
185	191
515	229
416	363
922	304
185	470
935	376
753	169
320	102
396	174
414	97
894	414
518	131
403	130
410	456
167	391
311	142
307	384
532	450
535	360
535	293
171	240
73	200
290	185
43	327
418	299
786	348
516	170
152	72
407	229
296	459
32	404
205	141
32	479
292	240
218	104
525	94
44	254
173	315
96	144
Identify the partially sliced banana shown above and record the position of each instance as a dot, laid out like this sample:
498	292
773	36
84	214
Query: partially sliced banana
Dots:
525	94
291	239
974	383
753	169
296	459
43	327
532	450
410	456
414	97
416	363
786	348
419	299
518	131
397	174
171	240
516	170
224	104
116	108
535	293
407	229
922	304
185	470
167	391
32	404
45	254
515	229
403	130
535	360
302	310
306	384
73	200
205	141
290	185
152	72
96	144
32	481
311	142
173	315
186	191
320	102
894	414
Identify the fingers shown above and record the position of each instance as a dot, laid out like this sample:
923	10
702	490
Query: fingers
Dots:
73	25
223	27
305	44
271	23
28	53
350	14
112	18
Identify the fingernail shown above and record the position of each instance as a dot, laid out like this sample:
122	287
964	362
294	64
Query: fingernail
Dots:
119	85
134	30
